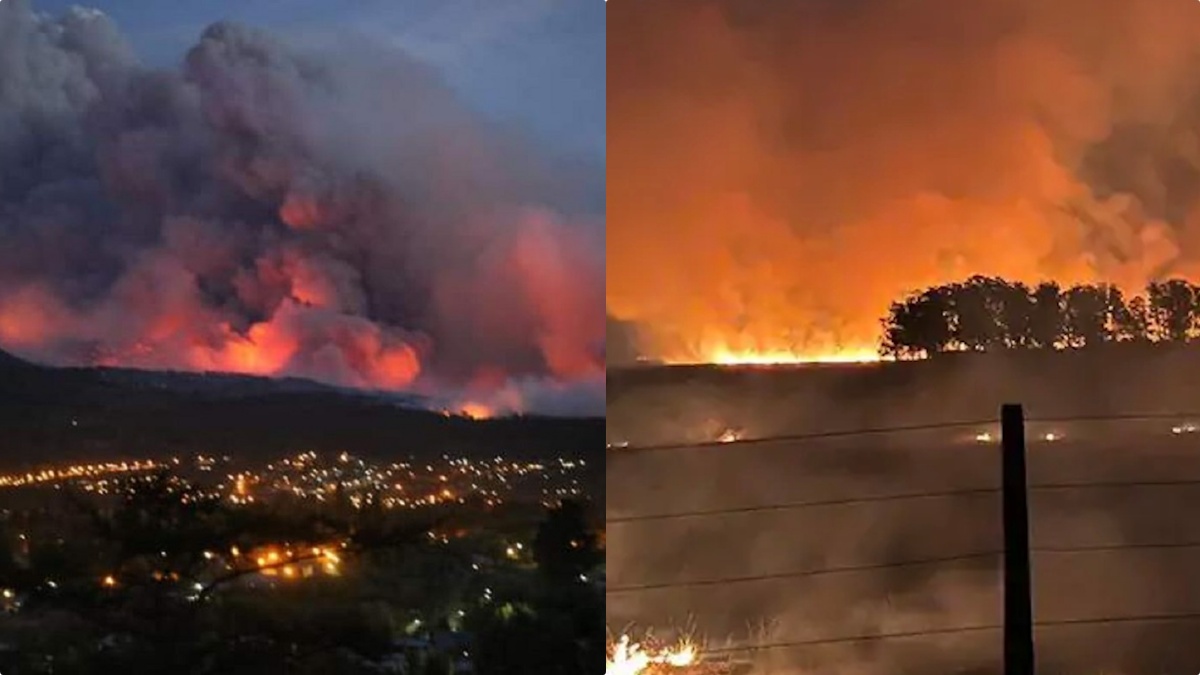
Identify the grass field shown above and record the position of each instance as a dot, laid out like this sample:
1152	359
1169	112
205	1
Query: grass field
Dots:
808	577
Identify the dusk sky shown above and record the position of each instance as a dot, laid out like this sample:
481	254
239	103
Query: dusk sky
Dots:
537	63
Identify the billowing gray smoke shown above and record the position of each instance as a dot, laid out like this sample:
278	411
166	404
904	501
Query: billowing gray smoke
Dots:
341	217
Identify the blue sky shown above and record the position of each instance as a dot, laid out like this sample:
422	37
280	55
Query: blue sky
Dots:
535	63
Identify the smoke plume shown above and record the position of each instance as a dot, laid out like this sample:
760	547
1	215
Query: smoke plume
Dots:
781	171
271	211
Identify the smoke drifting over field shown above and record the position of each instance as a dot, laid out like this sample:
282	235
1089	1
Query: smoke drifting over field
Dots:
268	211
732	550
783	170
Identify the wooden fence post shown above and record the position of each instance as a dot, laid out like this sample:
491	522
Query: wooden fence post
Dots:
1018	585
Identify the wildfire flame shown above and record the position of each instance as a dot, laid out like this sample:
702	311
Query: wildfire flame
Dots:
739	352
476	411
626	657
729	436
771	357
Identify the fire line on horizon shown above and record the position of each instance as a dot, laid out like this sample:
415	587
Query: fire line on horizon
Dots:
809	190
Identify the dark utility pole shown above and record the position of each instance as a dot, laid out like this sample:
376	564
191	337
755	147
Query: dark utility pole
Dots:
1018	587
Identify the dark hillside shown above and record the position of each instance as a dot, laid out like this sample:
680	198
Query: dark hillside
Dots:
53	414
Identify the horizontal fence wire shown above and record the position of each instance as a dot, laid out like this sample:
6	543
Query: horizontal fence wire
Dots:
952	631
883	431
904	496
877	567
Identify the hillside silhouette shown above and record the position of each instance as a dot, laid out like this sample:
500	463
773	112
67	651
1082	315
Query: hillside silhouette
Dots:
52	414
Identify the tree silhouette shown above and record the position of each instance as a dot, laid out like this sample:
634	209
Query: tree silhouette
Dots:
1086	316
990	314
554	628
565	547
1016	313
1047	315
1130	320
1172	306
918	327
976	309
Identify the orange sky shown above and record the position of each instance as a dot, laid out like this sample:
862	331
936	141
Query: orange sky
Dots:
780	171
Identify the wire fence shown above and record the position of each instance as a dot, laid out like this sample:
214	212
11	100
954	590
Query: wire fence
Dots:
883	431
951	631
907	496
878	567
992	556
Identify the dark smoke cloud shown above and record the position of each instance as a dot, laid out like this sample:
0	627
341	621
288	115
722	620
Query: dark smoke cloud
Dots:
338	216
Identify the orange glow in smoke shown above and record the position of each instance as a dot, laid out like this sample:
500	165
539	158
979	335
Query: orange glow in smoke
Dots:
255	355
311	317
310	289
556	278
264	350
27	318
168	324
17	328
476	411
809	191
300	211
397	367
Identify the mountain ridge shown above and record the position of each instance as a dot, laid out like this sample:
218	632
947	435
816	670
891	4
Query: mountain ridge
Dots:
50	413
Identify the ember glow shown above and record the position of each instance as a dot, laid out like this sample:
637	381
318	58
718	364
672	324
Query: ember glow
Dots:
279	211
781	172
476	411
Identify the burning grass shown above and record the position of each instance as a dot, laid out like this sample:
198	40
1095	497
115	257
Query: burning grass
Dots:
681	654
648	656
